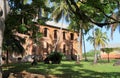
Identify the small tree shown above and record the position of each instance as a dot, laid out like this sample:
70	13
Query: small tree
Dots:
107	50
11	44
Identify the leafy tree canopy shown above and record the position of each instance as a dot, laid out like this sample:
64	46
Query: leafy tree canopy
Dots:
98	12
20	19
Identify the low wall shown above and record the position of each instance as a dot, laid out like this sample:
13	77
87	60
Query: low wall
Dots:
111	56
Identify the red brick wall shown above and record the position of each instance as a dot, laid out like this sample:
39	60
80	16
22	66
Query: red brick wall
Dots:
111	56
50	41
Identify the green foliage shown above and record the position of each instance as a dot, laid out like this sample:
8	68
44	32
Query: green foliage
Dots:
98	38
55	57
95	12
13	45
107	50
60	11
22	28
42	20
20	20
91	53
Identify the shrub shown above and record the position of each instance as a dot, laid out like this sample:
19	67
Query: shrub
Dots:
19	58
91	53
54	57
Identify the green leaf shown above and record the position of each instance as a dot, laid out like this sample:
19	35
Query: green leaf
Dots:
22	28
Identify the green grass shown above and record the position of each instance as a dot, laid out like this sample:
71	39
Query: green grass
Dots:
68	69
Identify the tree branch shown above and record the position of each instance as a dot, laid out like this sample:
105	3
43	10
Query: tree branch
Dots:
85	18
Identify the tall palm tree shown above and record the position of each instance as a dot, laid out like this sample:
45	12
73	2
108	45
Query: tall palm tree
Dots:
98	39
60	13
80	27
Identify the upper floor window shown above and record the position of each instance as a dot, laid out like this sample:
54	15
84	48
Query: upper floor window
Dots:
71	36
55	34
45	32
64	35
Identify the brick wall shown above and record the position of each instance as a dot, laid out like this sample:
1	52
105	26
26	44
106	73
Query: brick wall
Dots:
47	42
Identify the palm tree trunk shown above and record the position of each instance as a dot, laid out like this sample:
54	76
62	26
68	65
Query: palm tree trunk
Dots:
95	53
81	43
79	56
84	48
55	45
95	57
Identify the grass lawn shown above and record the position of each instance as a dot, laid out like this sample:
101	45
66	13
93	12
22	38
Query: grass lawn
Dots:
68	69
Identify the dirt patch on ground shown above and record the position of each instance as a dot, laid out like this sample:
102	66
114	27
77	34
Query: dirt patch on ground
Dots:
25	74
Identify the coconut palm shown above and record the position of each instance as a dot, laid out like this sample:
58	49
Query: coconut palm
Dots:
82	28
60	12
98	39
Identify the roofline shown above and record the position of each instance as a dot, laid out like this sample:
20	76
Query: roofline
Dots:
57	27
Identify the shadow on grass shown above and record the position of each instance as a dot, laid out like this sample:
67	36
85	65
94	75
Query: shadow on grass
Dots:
14	68
101	60
87	74
64	70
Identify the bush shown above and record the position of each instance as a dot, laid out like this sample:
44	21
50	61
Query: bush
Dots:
91	53
54	57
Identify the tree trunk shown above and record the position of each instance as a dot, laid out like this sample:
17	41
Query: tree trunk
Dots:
84	49
108	58
55	45
7	57
95	57
1	40
4	8
95	53
81	43
2	25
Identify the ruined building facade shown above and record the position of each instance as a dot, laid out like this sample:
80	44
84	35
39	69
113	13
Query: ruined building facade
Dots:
55	39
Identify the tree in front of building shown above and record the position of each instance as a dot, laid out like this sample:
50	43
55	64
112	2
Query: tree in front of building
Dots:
60	12
19	20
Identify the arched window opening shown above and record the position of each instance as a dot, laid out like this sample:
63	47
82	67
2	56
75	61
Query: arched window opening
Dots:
71	36
55	34
64	36
45	32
